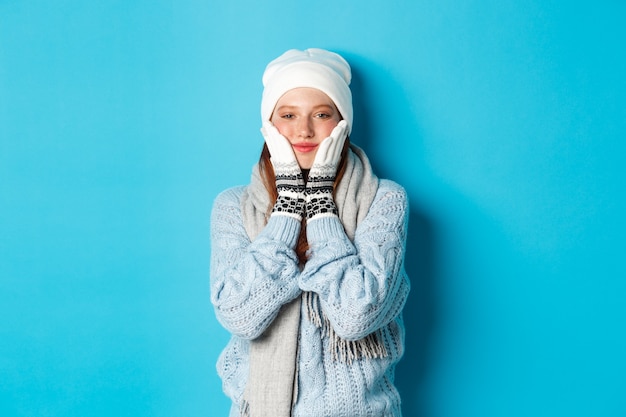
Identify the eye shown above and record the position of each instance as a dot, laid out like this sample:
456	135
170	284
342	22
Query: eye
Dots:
287	116
322	115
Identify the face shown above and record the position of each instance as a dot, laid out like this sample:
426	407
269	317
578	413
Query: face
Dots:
305	116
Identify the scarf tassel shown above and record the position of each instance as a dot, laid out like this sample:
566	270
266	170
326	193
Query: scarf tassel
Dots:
244	409
345	351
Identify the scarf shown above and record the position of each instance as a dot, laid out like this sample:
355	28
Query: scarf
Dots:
271	387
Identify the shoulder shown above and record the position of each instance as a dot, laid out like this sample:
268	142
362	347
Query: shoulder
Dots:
229	197
390	191
390	207
228	203
226	214
387	218
385	186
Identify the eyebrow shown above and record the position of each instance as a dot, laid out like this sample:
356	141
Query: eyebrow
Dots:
317	107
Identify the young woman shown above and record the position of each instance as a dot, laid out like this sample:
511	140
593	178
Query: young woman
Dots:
307	262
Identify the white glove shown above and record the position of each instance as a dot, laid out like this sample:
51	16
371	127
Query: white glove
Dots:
289	180
319	187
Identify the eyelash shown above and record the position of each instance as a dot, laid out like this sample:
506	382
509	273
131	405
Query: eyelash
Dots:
289	116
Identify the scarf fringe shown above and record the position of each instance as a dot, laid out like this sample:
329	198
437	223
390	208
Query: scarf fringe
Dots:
244	409
345	351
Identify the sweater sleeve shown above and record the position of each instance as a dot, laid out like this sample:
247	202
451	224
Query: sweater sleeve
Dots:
362	286
250	281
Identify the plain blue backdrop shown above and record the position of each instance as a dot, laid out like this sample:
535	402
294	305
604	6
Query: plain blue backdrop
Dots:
120	121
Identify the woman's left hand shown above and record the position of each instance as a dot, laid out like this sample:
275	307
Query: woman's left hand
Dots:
329	153
319	187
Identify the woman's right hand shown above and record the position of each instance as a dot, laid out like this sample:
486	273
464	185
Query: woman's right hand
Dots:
289	180
280	149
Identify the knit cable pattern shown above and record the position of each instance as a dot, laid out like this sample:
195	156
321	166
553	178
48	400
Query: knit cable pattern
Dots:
361	288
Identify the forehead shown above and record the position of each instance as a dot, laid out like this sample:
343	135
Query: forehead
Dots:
305	96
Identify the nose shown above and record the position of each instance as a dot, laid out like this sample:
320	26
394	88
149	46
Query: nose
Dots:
305	128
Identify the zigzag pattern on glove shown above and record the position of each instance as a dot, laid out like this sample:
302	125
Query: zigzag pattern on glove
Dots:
290	187
319	193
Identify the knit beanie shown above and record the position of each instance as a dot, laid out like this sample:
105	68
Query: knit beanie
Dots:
313	68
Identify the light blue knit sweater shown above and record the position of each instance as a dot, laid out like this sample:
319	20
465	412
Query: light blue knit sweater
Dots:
362	288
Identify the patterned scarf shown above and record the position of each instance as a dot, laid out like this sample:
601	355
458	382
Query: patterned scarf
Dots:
270	390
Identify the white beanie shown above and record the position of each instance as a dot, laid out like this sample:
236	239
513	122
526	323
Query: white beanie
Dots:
313	68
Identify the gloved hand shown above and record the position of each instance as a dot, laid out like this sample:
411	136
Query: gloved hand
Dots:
289	180
319	187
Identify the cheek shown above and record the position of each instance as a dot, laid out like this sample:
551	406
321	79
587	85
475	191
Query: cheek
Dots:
325	130
283	128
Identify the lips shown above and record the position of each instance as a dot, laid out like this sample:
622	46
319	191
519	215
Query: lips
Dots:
304	147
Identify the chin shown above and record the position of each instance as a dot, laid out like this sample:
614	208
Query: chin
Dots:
305	164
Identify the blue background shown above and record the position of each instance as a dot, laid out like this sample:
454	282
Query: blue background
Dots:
120	121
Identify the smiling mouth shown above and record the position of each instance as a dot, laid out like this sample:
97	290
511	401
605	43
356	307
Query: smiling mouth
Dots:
304	147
